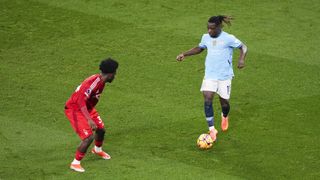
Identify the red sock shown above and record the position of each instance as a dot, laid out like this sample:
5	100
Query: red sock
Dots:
98	143
79	155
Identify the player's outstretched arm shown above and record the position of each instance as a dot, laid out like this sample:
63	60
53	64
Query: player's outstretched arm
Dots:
243	53
193	51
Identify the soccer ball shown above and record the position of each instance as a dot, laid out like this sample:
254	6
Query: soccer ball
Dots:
204	141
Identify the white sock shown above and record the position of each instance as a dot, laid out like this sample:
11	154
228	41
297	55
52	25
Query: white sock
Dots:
211	128
75	162
97	149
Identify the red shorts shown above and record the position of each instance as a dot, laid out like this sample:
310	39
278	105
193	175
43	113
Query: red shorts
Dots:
80	123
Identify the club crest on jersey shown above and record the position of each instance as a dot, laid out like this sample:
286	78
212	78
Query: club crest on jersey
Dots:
87	93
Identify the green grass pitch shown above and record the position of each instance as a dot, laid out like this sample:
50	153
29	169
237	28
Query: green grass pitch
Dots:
153	111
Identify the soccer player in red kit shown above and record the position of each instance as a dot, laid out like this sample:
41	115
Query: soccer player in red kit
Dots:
82	115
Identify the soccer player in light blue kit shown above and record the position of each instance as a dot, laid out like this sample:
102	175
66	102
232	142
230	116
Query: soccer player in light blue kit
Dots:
218	68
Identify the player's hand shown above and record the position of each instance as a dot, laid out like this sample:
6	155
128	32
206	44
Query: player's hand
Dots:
180	57
241	64
92	125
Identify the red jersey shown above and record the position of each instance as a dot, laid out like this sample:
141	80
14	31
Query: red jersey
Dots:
87	93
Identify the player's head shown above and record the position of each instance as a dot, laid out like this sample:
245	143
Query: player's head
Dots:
108	68
215	24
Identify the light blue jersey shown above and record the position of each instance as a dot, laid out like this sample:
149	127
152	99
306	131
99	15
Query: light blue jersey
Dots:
219	55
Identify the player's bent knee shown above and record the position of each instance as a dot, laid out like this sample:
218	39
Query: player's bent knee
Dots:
208	96
225	106
208	99
101	131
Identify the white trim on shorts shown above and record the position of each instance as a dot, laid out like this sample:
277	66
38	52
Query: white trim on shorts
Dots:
221	87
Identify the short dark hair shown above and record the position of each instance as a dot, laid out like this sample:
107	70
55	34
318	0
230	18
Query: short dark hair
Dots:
108	66
217	20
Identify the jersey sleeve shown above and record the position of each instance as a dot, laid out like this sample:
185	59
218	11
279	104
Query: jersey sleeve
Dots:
81	100
85	91
83	94
202	44
234	42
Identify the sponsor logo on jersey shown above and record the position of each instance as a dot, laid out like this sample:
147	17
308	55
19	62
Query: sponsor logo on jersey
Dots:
217	42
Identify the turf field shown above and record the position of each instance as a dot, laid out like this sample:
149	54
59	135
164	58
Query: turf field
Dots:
153	111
